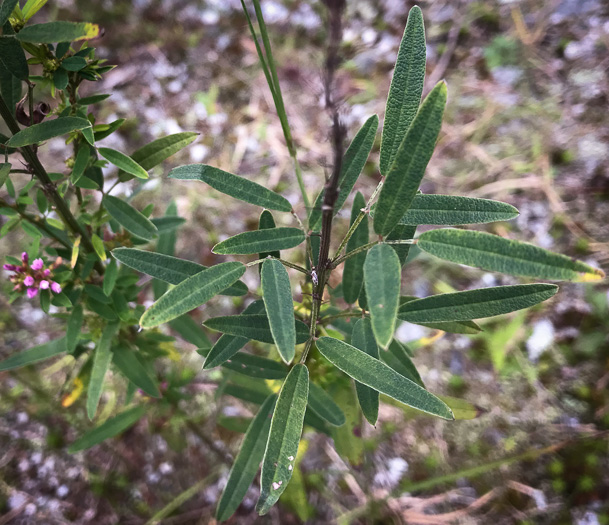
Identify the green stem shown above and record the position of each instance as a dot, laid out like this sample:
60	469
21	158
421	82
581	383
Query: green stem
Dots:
351	313
282	261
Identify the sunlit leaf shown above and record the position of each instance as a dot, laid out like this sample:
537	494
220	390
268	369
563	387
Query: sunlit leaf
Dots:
122	161
257	241
158	150
47	130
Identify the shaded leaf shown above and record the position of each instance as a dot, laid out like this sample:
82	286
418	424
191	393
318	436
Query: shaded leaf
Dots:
129	218
233	185
324	406
265	222
254	327
52	32
258	241
256	366
363	339
101	363
6	8
353	272
190	331
397	358
127	362
73	328
168	223
158	150
34	354
13	59
47	130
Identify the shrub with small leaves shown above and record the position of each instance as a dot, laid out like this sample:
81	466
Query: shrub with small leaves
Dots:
88	248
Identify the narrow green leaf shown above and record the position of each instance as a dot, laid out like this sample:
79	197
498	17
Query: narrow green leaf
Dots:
31	7
353	163
5	170
233	185
382	277
254	327
256	366
52	32
158	150
497	254
277	296
104	130
324	406
228	345
191	293
166	244
266	222
407	170
10	87
6	8
13	58
406	88
257	241
73	328
453	327
34	354
475	304
397	358
246	463
110	428
190	331
122	161
47	130
353	272
284	437
130	366
110	277
167	268
129	218
377	375
168	223
98	246
94	99
363	339
101	363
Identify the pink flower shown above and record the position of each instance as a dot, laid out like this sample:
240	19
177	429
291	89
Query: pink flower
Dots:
47	272
37	264
44	285
32	292
24	257
29	281
55	287
10	267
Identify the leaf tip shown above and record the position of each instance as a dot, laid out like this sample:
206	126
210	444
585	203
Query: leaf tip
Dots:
594	275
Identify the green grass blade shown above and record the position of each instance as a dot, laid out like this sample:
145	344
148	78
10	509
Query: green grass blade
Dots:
101	363
497	254
354	161
127	362
192	293
129	218
167	268
353	272
377	375
475	304
284	437
324	406
110	428
123	162
406	88
233	185
363	339
277	296
254	327
382	277
247	462
257	241
406	172
34	355
47	130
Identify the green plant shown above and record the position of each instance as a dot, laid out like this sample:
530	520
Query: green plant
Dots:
311	351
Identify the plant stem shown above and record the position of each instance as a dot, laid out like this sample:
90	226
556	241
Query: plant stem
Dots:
282	261
365	247
49	188
350	313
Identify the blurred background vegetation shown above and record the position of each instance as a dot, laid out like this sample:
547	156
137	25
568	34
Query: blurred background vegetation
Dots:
526	123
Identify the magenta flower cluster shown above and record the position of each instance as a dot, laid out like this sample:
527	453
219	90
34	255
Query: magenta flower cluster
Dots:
33	277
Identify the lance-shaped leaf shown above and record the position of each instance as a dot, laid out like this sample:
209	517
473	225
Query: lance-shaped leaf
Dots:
324	406
254	327
191	293
129	218
127	362
110	428
353	272
363	339
52	32
122	161
34	354
284	437
397	358
405	173
256	366
453	327
228	345
101	363
246	463
73	327
406	88
47	130
167	268
353	163
190	331
375	374
266	222
233	185
258	241
168	223
382	277
475	304
497	254
13	59
158	150
166	244
450	210
277	296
